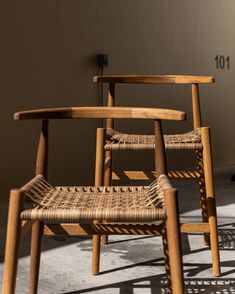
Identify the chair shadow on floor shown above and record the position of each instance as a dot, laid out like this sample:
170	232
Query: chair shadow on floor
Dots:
151	284
158	283
227	237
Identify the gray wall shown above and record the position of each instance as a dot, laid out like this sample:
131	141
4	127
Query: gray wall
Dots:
47	59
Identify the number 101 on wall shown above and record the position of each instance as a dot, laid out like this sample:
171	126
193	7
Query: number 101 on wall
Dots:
222	62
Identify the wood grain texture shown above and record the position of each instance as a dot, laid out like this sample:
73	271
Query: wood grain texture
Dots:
160	155
196	108
26	226
42	152
174	244
210	197
101	112
12	242
155	79
35	255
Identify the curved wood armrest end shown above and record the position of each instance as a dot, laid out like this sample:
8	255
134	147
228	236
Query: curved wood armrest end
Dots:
49	113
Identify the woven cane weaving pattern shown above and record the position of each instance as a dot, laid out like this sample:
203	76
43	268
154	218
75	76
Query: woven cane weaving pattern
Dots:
130	141
91	203
134	197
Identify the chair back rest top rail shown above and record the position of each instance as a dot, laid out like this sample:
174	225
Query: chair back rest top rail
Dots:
101	112
155	79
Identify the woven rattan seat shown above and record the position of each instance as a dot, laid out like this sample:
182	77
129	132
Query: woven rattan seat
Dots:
123	141
91	203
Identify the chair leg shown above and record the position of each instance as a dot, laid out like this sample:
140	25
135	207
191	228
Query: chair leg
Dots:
105	239
99	175
96	254
211	205
107	182
202	191
173	240
12	242
35	255
166	259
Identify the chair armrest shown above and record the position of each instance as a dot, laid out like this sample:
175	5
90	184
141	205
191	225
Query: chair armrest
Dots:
155	79
101	112
47	113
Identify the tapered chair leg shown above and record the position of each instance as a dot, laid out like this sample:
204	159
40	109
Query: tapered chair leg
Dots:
12	242
173	240
96	254
202	192
166	257
107	182
99	174
211	205
35	255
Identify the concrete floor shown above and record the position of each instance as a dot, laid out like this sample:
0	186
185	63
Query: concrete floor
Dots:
135	264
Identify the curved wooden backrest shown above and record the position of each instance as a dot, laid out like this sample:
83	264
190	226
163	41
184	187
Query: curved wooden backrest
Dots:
101	112
155	79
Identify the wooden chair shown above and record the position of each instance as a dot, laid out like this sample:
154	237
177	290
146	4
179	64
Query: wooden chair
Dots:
56	210
197	140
